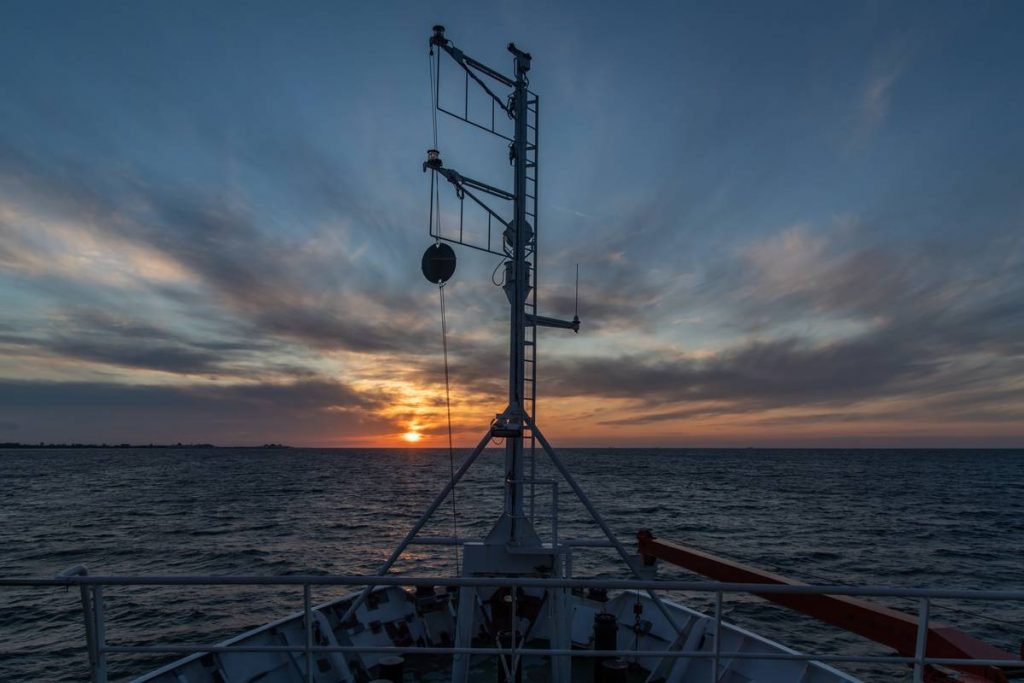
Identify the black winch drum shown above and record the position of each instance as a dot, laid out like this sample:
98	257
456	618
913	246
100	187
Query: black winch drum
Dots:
391	668
614	670
606	637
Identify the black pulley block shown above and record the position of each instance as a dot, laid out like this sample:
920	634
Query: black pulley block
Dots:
438	263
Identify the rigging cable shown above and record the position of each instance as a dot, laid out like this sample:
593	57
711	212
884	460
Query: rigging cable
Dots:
435	199
494	280
435	189
448	405
435	214
576	306
435	82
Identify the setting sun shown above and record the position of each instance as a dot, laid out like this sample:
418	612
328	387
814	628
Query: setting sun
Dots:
412	437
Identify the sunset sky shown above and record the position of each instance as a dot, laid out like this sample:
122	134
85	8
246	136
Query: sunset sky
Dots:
796	225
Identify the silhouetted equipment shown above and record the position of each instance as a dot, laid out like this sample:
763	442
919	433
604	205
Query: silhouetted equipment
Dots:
510	664
510	233
438	37
392	668
433	160
613	671
438	263
606	632
576	304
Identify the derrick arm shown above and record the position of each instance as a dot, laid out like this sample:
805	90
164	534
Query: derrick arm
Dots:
545	321
883	625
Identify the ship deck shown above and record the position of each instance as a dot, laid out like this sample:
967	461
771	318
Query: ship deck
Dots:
395	618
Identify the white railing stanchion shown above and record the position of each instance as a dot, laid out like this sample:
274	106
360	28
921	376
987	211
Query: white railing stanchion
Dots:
100	633
514	658
90	626
307	610
922	641
718	637
554	516
93	588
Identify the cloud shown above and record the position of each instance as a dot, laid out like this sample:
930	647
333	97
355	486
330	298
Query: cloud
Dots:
106	338
828	274
37	247
887	67
308	285
146	271
875	99
830	318
298	412
759	374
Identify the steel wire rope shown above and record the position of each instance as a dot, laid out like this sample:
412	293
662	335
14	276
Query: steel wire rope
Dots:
435	213
435	82
494	280
448	407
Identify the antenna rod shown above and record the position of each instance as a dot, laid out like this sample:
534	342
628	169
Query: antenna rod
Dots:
576	307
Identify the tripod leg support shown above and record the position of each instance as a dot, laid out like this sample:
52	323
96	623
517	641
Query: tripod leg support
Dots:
596	516
421	522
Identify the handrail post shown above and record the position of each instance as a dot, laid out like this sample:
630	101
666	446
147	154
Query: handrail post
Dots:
306	609
87	614
514	658
922	641
554	516
93	588
718	637
100	631
90	623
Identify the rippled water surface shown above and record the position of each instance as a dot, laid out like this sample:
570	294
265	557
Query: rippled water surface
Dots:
902	518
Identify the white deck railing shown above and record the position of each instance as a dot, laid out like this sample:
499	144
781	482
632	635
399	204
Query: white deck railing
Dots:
92	597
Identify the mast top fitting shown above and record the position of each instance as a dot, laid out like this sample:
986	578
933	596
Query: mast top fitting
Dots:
438	37
433	160
522	57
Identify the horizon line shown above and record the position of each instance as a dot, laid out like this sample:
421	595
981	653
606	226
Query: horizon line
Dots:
14	445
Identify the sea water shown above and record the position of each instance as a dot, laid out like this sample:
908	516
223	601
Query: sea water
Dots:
909	518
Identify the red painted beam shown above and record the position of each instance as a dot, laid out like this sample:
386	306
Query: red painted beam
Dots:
875	622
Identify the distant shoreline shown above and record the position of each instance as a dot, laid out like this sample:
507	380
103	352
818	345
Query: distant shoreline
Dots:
15	445
44	446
